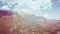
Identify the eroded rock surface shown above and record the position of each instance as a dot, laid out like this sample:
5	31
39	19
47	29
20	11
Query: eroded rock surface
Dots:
28	24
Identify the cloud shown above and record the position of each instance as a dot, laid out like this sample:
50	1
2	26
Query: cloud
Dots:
5	8
29	5
59	1
34	6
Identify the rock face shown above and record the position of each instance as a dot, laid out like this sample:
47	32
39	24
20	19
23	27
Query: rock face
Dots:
5	13
28	24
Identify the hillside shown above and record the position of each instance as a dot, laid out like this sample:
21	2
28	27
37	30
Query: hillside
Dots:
28	24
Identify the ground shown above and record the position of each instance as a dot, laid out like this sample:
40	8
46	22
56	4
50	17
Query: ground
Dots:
28	24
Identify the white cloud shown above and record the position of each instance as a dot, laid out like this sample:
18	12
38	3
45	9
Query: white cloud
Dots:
5	8
33	5
30	5
25	11
58	0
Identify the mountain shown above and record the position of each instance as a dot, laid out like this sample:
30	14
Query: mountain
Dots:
28	24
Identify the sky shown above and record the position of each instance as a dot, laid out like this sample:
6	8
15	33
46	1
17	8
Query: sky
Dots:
47	8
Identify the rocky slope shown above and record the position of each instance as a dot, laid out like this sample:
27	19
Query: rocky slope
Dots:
28	24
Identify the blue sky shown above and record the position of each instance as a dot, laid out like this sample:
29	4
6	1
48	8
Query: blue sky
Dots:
47	8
